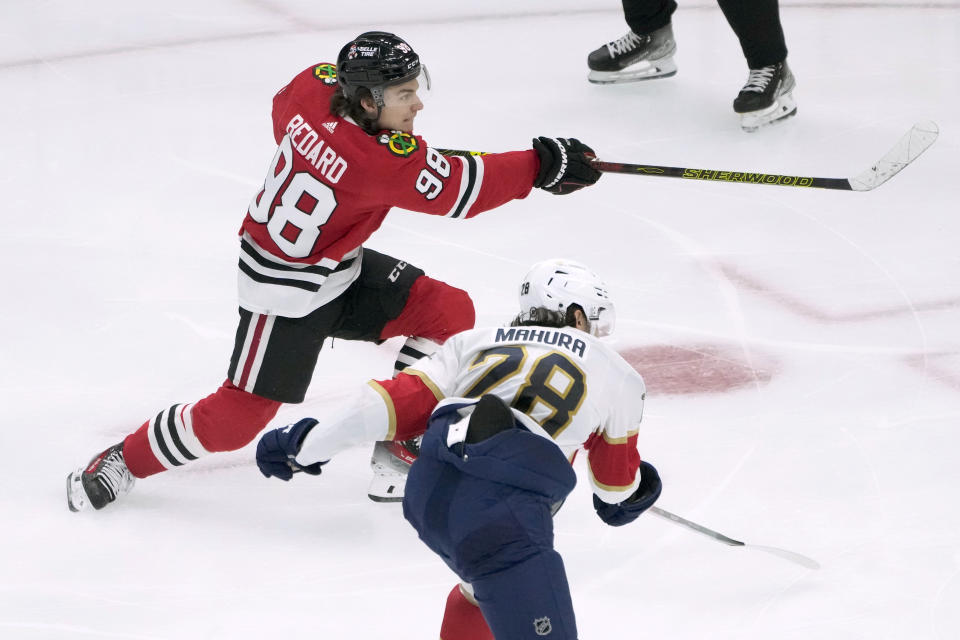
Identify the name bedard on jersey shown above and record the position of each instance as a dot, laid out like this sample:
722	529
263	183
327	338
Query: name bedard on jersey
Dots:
315	150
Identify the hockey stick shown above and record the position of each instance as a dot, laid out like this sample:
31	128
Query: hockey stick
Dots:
791	556
910	146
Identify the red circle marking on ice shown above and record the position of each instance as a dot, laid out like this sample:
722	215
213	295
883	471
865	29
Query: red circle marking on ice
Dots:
700	368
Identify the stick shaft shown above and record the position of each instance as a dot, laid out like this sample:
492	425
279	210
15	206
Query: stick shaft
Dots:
716	175
720	175
710	533
907	149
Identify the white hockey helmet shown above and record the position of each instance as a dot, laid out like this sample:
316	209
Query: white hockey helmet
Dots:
557	284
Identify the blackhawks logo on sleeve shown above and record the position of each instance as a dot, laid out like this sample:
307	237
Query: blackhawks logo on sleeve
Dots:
326	72
399	143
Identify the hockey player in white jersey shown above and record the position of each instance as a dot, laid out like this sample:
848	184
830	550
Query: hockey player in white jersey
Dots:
505	410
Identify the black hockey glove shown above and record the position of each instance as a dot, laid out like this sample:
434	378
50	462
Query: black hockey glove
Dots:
278	448
565	165
625	512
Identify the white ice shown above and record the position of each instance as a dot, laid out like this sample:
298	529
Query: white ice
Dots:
134	135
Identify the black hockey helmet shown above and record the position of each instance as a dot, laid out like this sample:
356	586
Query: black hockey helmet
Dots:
376	60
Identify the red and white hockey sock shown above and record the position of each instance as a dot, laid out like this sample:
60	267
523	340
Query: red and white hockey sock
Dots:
462	619
223	421
163	443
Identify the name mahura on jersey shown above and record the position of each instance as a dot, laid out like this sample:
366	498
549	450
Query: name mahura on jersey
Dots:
308	144
543	336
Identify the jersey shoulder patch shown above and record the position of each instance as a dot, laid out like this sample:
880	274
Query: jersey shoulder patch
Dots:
326	72
399	143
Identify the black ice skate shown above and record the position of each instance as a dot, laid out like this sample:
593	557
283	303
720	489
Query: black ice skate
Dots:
635	56
102	481
390	463
767	97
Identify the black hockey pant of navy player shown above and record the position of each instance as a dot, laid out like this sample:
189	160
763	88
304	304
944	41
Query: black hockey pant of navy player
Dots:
485	509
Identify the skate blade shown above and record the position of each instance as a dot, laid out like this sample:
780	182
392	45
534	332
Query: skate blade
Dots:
647	70
387	487
785	107
384	499
76	498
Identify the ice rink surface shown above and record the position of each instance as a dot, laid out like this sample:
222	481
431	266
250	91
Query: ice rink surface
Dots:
801	347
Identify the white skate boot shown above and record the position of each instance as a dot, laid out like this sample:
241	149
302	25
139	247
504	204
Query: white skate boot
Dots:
390	462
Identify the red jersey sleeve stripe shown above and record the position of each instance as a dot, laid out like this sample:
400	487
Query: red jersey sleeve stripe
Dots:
439	395
622	440
618	488
613	466
409	400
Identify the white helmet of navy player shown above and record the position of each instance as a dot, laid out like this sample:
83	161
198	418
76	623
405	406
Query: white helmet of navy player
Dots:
559	284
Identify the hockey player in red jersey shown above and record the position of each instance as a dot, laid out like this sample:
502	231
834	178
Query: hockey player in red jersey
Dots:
346	155
489	475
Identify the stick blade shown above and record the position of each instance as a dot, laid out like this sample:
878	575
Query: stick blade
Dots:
792	556
910	146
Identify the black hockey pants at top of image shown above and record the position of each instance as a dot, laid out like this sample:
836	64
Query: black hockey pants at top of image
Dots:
756	24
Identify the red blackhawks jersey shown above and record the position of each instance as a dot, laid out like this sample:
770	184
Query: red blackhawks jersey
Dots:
564	384
331	184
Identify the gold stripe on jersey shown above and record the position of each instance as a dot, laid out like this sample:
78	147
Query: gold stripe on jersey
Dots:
611	440
439	395
611	487
391	410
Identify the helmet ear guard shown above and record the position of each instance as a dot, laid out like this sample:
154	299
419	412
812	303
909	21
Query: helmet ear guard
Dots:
561	284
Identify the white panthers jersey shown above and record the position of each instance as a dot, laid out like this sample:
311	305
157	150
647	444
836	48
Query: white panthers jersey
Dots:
574	389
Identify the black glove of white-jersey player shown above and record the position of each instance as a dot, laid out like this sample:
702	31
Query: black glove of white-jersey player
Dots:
617	515
565	165
278	448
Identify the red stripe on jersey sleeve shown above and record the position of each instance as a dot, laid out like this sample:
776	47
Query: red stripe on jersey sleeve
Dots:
613	464
413	402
